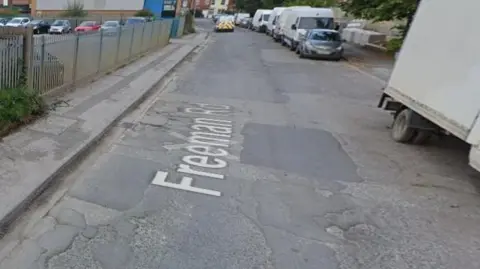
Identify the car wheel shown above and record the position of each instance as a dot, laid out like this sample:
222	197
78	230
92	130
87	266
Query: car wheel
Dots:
297	50
292	48
301	54
282	41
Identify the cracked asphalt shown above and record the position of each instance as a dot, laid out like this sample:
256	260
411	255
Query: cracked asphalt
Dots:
303	165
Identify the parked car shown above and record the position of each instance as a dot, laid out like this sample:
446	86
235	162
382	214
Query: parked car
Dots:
240	16
60	27
321	43
3	21
216	17
39	26
110	27
135	20
17	22
88	26
245	22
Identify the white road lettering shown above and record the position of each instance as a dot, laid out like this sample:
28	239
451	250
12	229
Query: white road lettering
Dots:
211	141
185	168
212	134
210	106
185	184
215	122
214	129
205	161
206	111
206	150
207	140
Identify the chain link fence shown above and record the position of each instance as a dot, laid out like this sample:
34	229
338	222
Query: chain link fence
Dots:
48	62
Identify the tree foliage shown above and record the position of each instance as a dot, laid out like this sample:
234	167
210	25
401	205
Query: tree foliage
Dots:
74	9
380	10
312	3
250	6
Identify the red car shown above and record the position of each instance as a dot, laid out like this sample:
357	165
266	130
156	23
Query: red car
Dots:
88	26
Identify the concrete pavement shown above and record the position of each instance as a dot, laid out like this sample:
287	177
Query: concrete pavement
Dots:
254	158
31	158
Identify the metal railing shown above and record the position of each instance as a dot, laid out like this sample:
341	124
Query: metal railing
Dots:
55	61
11	61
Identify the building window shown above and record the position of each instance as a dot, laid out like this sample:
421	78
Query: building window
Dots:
222	2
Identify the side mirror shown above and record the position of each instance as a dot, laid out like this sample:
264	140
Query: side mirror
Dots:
344	40
294	27
260	19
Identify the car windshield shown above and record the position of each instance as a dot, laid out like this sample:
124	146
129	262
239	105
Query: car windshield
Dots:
58	23
135	20
266	16
87	23
35	22
316	23
16	21
325	36
111	24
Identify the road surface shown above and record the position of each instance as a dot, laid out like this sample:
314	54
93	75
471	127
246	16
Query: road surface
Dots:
254	158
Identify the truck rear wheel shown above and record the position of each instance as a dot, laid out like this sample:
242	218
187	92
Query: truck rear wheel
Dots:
401	131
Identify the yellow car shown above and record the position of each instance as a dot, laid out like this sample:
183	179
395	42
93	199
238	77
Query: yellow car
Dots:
224	26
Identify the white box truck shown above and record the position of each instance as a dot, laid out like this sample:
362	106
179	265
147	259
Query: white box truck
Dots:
435	84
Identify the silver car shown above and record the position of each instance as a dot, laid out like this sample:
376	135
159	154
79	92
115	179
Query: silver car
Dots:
322	44
17	22
60	27
110	27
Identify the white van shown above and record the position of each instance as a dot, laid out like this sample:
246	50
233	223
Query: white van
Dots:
240	16
300	20
280	21
260	19
273	19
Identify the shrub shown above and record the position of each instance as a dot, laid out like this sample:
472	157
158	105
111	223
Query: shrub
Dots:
394	45
144	13
8	11
74	9
19	104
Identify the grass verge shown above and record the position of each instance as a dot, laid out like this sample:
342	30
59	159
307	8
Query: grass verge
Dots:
19	106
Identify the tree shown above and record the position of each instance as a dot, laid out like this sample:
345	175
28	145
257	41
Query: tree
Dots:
312	3
382	10
74	9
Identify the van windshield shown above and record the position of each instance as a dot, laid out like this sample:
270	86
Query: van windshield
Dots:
315	23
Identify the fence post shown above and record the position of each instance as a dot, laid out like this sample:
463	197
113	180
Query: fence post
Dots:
160	23
28	48
131	42
75	58
119	39
143	37
99	65
41	84
150	46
